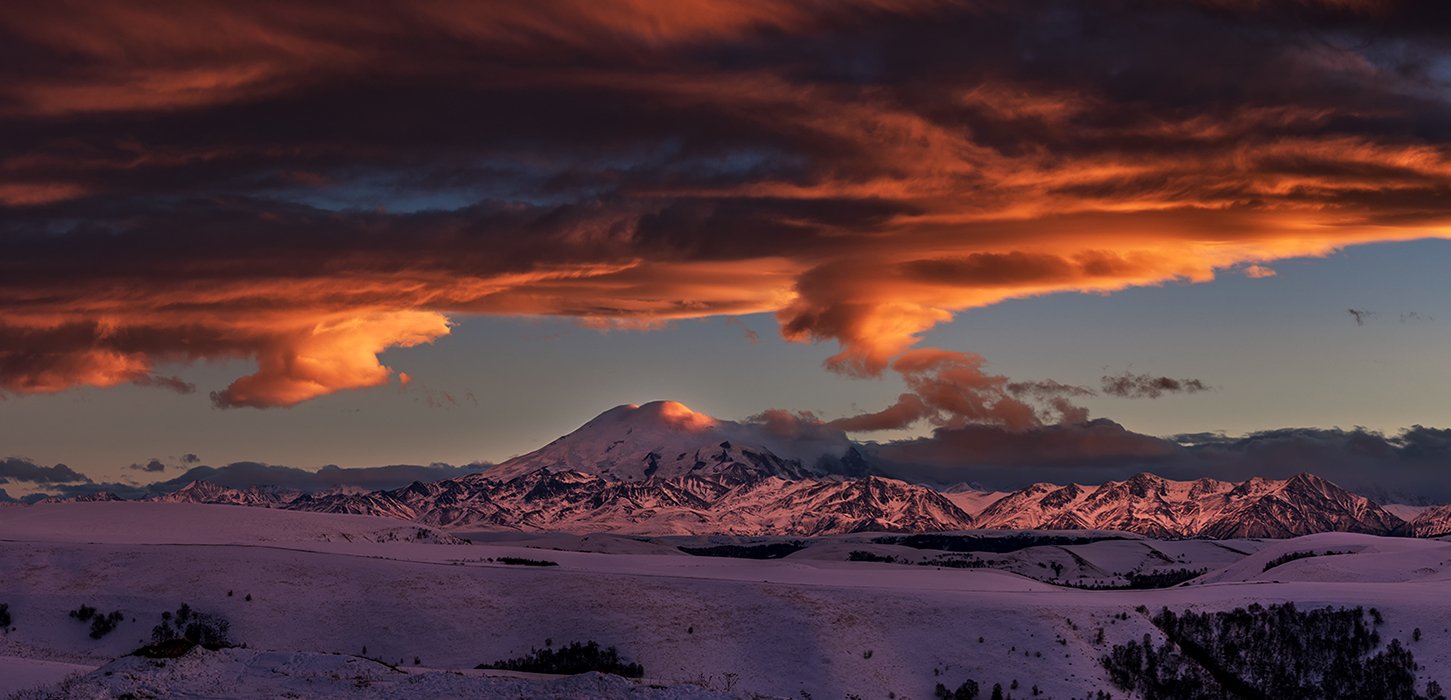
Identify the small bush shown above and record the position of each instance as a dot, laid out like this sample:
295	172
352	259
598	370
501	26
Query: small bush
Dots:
967	691
102	625
5	618
577	657
521	561
83	613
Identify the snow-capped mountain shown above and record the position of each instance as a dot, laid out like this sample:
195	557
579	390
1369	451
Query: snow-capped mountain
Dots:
208	492
661	468
710	503
1432	522
660	439
1154	506
97	497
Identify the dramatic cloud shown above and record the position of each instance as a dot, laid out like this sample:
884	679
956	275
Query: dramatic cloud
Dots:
13	469
1147	386
154	465
306	187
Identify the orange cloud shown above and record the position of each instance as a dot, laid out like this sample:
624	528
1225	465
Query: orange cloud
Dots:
306	187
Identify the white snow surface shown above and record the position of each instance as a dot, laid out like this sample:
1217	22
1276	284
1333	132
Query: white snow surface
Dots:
810	622
243	673
18	674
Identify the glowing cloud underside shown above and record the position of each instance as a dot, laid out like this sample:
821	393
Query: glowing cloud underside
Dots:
313	186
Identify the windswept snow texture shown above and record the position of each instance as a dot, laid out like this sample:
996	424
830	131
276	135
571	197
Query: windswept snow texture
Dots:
322	584
221	674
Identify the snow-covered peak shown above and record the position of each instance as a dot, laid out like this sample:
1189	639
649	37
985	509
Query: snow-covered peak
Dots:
654	416
656	440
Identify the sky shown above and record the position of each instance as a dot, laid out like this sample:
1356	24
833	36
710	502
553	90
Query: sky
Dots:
998	240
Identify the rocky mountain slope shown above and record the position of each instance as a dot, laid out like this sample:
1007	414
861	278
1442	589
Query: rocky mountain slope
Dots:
207	492
661	468
1158	507
721	503
1432	522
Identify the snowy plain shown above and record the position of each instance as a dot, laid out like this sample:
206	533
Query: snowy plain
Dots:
810	624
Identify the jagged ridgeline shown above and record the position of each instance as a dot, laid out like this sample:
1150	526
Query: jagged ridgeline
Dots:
662	469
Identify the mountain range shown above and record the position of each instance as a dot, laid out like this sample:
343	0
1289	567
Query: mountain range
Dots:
662	469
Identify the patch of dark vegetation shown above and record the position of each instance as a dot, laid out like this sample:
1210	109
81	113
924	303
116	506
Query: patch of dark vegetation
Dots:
5	619
183	630
964	562
101	625
1267	652
967	691
577	657
170	649
863	555
83	613
521	561
995	545
774	550
1167	578
1296	556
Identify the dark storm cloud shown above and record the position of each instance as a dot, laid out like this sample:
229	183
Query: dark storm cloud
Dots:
1412	466
153	465
14	469
317	184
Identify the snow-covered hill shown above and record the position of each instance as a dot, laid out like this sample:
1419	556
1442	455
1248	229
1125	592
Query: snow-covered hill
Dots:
238	673
811	624
1157	507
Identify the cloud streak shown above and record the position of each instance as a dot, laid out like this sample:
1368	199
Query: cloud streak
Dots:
317	185
1147	386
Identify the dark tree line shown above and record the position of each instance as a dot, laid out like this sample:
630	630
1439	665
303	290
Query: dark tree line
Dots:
1167	578
186	624
1294	556
774	550
101	625
994	545
1275	652
521	561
